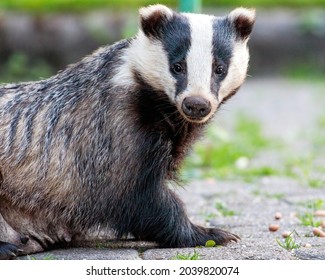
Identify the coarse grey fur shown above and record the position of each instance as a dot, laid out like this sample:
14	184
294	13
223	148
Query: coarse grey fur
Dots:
53	132
78	151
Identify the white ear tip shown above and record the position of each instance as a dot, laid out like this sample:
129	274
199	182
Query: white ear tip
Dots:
146	12
249	13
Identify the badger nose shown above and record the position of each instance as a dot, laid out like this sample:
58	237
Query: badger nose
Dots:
196	107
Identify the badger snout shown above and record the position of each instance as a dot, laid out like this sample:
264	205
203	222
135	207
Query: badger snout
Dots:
196	107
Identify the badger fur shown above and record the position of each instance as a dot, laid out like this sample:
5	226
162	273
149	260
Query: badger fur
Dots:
96	145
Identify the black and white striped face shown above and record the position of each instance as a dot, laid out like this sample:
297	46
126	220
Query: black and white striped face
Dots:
199	61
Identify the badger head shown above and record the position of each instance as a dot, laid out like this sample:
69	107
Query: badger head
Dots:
198	61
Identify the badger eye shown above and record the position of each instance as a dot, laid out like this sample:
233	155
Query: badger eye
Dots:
220	70
178	68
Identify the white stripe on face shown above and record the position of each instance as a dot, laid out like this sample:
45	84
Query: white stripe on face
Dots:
199	58
199	62
236	72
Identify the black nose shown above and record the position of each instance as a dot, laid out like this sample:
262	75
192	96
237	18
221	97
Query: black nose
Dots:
196	107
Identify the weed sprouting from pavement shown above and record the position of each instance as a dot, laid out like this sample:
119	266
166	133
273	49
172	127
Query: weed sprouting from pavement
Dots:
208	216
316	204
268	195
223	210
46	257
194	256
289	242
307	218
306	171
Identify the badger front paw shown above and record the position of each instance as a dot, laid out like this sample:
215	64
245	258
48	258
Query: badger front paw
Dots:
198	236
8	251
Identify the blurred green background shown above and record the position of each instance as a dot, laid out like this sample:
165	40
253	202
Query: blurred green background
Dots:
38	38
85	5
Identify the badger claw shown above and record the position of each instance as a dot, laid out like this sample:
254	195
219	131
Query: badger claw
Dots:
221	237
8	251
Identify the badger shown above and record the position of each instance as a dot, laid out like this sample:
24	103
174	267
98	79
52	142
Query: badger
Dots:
97	145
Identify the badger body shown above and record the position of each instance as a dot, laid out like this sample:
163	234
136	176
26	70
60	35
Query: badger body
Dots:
96	145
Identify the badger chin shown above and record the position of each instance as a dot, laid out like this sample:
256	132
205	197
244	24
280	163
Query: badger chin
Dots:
196	120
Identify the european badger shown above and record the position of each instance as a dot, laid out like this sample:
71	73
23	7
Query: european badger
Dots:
97	143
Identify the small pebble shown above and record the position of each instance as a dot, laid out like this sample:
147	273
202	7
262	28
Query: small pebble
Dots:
273	227
285	234
307	245
278	215
318	232
319	213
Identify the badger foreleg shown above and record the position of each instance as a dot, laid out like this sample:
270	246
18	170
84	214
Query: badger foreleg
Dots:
160	216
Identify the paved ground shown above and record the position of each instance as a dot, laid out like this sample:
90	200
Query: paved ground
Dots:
287	111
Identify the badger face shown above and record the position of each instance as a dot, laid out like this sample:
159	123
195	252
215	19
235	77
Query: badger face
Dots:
198	61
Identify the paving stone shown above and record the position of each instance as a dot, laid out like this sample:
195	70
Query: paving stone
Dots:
87	254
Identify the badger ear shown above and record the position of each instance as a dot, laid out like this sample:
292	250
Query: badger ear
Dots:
243	21
153	18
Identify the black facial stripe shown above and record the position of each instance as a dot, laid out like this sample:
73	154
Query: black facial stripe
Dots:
224	36
176	39
223	40
232	93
